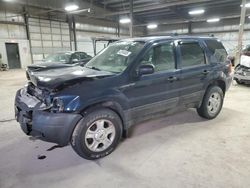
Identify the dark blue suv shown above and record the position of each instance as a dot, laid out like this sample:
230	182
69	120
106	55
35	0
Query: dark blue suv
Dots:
130	81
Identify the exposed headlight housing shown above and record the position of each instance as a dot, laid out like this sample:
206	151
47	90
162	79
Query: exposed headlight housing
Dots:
57	105
68	103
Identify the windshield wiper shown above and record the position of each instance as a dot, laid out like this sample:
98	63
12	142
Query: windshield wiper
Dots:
94	68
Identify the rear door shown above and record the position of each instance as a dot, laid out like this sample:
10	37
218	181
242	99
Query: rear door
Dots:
195	71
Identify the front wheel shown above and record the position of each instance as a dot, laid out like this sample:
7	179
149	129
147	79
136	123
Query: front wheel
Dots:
212	103
97	134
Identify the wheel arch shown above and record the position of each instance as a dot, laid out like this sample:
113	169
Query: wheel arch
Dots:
111	105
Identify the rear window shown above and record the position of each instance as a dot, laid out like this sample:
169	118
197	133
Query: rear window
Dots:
217	50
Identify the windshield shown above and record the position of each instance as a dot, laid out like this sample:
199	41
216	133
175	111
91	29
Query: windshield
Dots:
116	57
58	57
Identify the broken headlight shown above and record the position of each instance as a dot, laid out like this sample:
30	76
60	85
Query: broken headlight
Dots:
57	105
67	103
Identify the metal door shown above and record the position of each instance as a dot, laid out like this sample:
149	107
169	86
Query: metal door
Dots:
13	55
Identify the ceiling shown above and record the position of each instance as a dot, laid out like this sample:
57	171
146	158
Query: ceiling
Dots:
145	11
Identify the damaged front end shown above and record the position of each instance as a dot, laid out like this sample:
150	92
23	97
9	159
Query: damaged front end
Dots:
45	116
242	74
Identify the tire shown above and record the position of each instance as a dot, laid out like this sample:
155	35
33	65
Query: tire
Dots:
238	82
212	103
97	134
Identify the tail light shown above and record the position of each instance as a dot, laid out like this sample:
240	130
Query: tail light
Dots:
229	66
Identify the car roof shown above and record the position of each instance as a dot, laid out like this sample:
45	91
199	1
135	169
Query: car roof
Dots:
69	52
159	38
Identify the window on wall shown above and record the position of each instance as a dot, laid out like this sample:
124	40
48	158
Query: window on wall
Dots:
191	54
161	56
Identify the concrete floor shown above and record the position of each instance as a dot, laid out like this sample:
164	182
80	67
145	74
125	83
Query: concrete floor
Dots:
182	150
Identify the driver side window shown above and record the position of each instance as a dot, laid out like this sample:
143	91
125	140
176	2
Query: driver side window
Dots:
161	56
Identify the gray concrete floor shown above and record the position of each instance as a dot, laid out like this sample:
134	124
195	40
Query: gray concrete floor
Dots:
181	150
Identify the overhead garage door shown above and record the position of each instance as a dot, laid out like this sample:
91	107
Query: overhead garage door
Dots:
48	37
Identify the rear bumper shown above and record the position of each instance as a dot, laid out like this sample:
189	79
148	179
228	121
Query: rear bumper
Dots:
42	124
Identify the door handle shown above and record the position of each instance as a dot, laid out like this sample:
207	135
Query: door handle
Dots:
205	72
172	78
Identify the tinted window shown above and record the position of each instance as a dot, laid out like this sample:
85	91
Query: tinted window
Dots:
161	56
83	55
217	49
75	56
191	54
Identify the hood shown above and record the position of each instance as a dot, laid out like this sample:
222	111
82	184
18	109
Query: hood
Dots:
60	78
48	65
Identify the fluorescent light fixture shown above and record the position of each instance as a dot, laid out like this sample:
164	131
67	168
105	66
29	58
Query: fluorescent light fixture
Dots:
71	7
125	20
213	20
152	26
196	12
247	5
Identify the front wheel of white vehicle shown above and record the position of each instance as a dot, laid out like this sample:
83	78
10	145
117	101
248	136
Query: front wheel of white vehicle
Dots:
97	134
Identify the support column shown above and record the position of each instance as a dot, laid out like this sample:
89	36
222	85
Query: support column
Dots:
189	28
74	32
131	18
26	22
241	31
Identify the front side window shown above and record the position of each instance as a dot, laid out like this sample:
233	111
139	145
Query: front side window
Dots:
161	56
116	57
191	54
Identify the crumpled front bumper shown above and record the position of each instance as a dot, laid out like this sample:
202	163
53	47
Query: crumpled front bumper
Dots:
242	78
36	121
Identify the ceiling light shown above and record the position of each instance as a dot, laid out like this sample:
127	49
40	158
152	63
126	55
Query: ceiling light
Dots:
247	5
125	20
213	20
152	26
71	7
196	12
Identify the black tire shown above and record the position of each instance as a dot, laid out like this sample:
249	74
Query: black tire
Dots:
238	82
78	140
203	110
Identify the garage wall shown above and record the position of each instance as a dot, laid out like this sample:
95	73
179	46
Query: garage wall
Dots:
225	30
47	37
85	32
12	30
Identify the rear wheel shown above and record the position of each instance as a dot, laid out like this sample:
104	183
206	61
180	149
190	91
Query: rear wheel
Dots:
97	134
212	103
238	82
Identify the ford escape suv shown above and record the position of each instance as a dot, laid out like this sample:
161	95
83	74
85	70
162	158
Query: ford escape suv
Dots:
133	80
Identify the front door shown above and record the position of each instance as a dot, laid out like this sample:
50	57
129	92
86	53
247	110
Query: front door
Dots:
13	55
155	93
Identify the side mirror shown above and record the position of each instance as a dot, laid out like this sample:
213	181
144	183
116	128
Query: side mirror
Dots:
146	69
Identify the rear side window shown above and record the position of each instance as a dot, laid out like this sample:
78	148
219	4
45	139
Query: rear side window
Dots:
217	50
191	54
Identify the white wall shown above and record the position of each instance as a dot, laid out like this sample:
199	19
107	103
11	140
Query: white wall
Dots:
10	33
225	30
14	33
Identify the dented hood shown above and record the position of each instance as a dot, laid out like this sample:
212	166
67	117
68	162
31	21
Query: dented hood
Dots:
60	78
